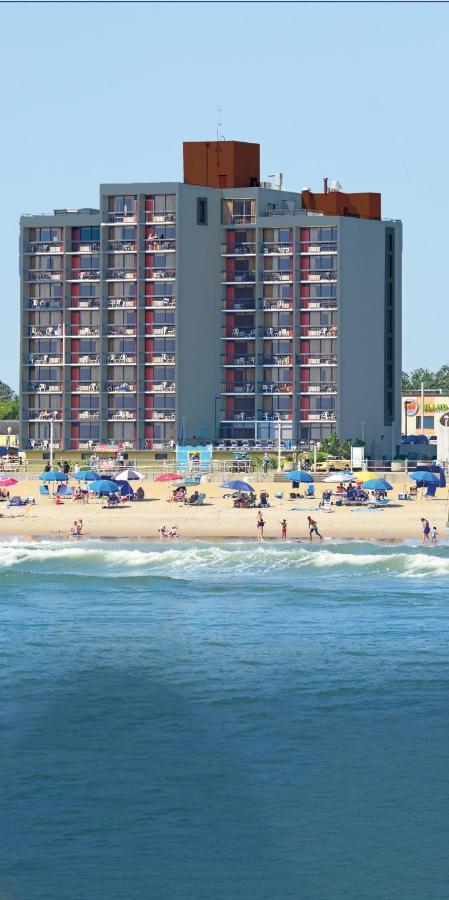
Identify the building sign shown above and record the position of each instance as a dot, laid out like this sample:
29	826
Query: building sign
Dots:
411	407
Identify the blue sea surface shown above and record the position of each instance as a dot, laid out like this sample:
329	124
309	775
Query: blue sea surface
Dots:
223	722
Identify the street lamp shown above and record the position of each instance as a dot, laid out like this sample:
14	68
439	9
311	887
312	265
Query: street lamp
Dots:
8	436
217	400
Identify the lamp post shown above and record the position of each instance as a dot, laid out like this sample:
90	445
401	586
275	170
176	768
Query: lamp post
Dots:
279	444
217	400
8	437
51	442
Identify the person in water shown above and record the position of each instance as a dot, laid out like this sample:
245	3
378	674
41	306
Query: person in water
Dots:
260	524
284	530
425	530
434	534
313	529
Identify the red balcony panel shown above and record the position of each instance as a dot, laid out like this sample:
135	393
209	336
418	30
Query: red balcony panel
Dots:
74	431
74	291
75	401
149	317
305	290
305	346
75	374
149	402
305	375
75	318
305	234
76	263
75	345
229	407
149	289
304	318
230	243
305	263
149	432
305	404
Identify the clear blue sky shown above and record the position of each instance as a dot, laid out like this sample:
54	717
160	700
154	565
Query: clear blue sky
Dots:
102	92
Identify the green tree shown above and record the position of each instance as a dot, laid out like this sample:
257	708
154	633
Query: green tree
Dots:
9	402
432	381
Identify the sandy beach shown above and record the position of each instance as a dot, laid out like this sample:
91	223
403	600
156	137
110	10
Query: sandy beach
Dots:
217	519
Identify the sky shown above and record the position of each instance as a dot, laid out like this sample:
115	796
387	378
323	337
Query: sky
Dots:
101	92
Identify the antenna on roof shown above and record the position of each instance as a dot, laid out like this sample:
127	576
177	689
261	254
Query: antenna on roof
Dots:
220	136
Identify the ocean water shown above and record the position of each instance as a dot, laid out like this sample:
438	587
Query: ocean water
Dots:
230	722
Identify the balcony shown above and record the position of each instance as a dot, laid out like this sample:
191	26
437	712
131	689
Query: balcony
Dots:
242	360
122	415
276	387
319	247
43	445
84	415
37	331
157	244
121	359
161	387
86	330
160	330
161	274
84	303
122	246
318	304
160	358
122	330
273	305
270	275
277	332
265	416
85	359
122	303
44	359
120	274
164	415
240	334
326	331
41	387
248	388
84	387
324	388
36	275
44	303
158	217
160	303
125	218
327	415
325	275
274	248
84	275
244	249
238	277
318	359
276	361
45	415
240	417
44	247
120	387
238	219
84	247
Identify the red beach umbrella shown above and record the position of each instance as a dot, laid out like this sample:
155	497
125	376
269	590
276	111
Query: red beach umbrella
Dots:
168	476
7	482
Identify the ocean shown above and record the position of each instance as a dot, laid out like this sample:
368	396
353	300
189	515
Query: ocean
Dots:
223	722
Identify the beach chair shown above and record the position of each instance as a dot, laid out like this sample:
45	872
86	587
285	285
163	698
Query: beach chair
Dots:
310	490
43	490
430	492
279	495
64	491
200	500
413	491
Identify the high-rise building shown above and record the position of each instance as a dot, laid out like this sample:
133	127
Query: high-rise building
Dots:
218	308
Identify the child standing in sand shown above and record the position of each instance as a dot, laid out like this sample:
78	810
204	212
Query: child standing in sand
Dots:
284	530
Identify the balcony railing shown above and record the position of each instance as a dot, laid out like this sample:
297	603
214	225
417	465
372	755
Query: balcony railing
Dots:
244	249
238	277
85	414
122	246
276	360
121	274
47	331
240	333
43	445
45	415
326	416
240	417
318	304
160	358
239	360
84	387
158	217
164	387
269	275
273	305
86	330
266	416
86	359
44	247
318	359
248	388
42	275
122	330
330	331
321	388
42	387
44	359
125	217
160	274
122	303
328	275
277	332
121	359
84	303
44	303
160	302
239	306
238	219
161	330
84	275
120	415
318	247
165	415
160	244
84	247
276	387
120	387
277	247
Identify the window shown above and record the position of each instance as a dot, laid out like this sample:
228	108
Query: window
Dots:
201	211
429	422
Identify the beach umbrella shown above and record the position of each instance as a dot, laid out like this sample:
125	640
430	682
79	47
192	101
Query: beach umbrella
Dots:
425	477
168	476
128	475
105	486
7	482
338	477
86	475
241	486
3	451
300	476
377	484
53	476
364	476
124	488
185	482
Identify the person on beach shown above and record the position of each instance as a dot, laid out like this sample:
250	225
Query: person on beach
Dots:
163	531
173	533
434	534
73	531
313	529
284	530
260	524
425	530
79	527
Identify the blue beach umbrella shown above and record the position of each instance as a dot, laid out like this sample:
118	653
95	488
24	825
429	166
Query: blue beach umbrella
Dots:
377	484
53	476
124	488
236	485
421	475
300	476
105	486
86	475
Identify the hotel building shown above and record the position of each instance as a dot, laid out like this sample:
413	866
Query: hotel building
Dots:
217	308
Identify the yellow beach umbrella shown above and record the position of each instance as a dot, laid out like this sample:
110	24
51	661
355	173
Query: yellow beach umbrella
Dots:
364	476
